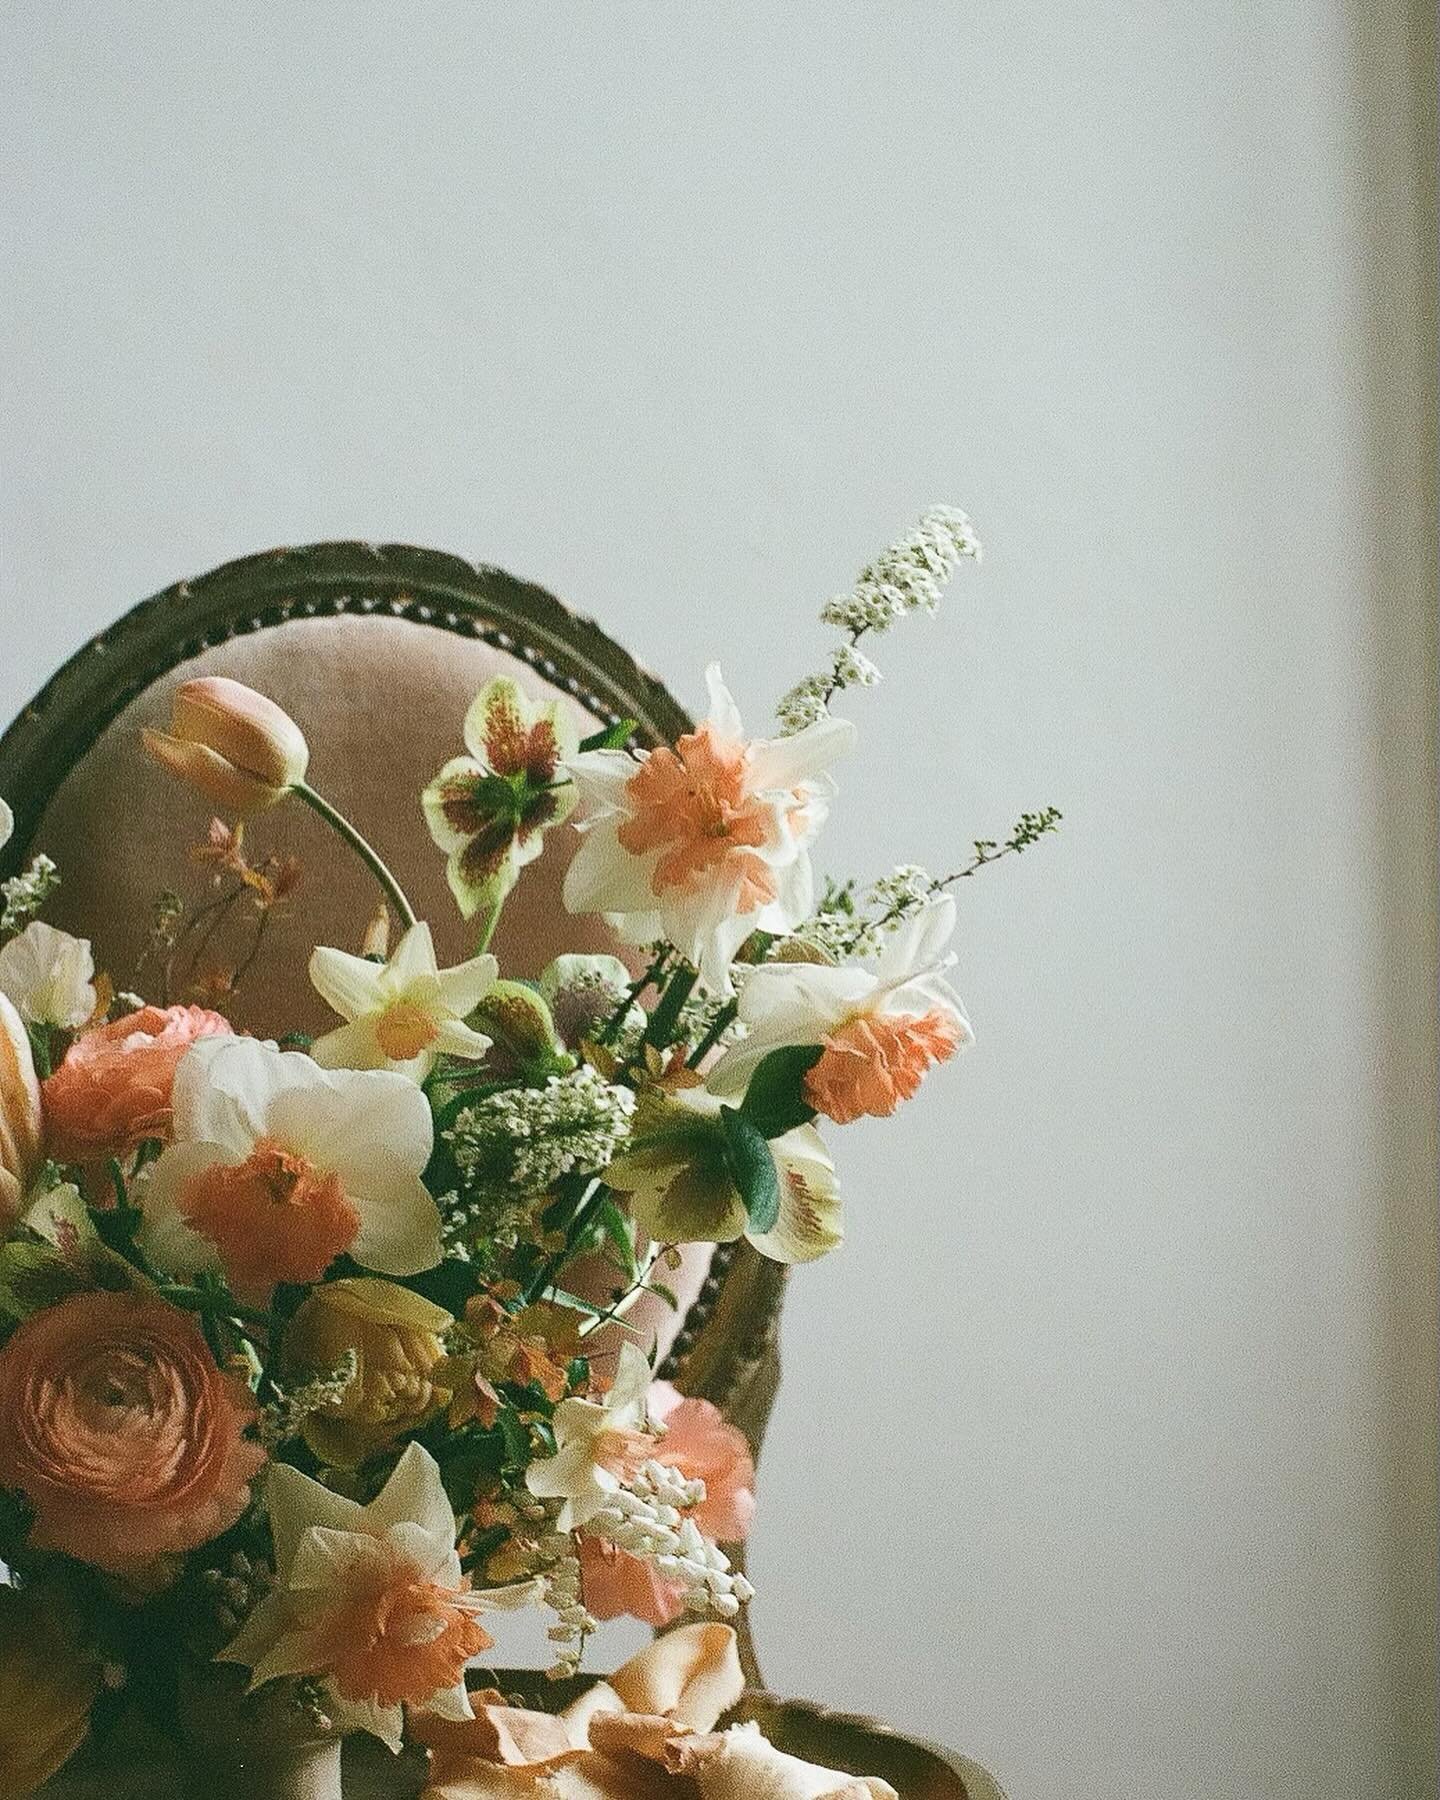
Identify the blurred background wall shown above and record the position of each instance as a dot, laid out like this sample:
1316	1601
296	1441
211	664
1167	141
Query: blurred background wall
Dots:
1106	1447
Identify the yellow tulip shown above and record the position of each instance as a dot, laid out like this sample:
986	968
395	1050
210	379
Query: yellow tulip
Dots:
242	751
47	1687
396	1338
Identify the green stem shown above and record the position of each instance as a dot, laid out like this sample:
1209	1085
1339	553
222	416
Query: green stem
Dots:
492	919
201	1300
338	823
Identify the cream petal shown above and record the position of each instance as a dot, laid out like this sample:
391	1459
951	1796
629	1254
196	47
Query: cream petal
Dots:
413	956
225	1088
295	1503
414	1494
724	715
450	1703
461	989
457	1039
399	1221
626	1398
349	985
691	1675
352	1046
602	776
603	875
448	837
920	941
809	1222
384	1722
328	1560
788	761
7	824
344	1119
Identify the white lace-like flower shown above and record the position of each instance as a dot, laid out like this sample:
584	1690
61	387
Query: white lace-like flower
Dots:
403	1013
590	1436
49	976
370	1600
706	842
881	1027
279	1166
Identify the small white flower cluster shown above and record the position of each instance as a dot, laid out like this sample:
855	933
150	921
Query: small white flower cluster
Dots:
558	1567
26	893
861	932
906	578
525	1139
280	1419
649	1518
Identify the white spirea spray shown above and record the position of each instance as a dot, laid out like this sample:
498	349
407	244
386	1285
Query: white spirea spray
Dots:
648	1518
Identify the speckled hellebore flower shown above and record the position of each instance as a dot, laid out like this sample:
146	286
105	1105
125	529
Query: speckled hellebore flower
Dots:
491	809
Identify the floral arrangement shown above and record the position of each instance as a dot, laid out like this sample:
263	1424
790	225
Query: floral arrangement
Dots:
317	1355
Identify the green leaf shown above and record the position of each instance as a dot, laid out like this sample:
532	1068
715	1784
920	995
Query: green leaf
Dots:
661	1030
668	1295
34	1276
751	1167
620	1229
775	1100
613	737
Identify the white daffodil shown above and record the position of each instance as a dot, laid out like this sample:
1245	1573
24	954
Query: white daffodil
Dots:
403	1013
706	842
370	1600
279	1166
50	976
590	1437
681	1189
881	1027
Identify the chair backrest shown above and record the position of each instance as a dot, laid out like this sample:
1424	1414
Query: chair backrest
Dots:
376	651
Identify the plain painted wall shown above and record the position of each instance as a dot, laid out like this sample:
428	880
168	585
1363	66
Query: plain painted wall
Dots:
1106	1445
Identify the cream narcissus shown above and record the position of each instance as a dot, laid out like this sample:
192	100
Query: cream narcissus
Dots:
403	1013
371	1600
490	810
279	1166
879	1027
706	842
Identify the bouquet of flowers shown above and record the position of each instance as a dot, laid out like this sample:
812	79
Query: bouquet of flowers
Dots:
315	1355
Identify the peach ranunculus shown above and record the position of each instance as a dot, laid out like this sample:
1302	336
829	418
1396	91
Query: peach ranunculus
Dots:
701	1444
112	1090
121	1432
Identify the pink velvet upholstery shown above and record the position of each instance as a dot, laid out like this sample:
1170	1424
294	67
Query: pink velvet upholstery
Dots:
381	701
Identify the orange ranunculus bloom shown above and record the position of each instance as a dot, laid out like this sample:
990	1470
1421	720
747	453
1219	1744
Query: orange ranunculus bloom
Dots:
113	1088
121	1432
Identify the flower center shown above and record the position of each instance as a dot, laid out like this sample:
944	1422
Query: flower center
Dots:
873	1061
401	1640
694	804
404	1031
275	1217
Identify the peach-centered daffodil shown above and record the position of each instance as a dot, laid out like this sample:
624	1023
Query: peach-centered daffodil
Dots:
371	1600
706	842
491	809
880	1028
595	1440
403	1013
279	1166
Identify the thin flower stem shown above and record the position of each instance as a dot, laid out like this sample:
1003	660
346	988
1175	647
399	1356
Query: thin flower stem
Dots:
607	1031
487	933
724	1019
368	855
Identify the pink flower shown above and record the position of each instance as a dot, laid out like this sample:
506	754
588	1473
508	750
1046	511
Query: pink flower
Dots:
112	1091
240	749
703	1446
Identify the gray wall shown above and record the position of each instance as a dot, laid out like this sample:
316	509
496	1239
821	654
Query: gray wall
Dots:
1105	1447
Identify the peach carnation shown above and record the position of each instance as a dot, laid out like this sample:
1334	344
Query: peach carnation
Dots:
121	1432
112	1090
703	1446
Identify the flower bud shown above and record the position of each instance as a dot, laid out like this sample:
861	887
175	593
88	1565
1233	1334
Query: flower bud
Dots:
47	1687
395	1337
20	1150
242	751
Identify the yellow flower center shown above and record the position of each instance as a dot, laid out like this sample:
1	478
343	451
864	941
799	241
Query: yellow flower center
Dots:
405	1030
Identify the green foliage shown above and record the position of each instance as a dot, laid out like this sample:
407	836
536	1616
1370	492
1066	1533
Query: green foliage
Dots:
751	1168
775	1100
613	737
